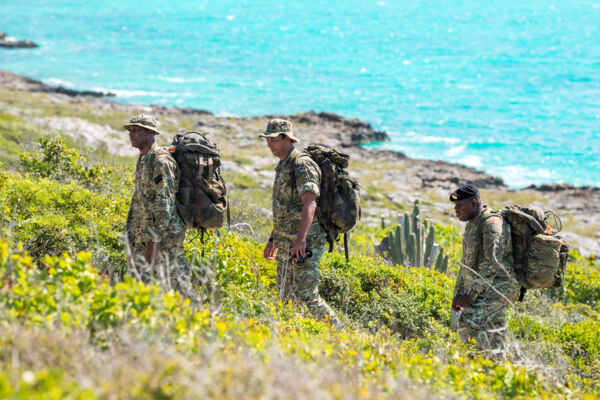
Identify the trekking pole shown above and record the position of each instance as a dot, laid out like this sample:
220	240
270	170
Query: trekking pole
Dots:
241	224
486	282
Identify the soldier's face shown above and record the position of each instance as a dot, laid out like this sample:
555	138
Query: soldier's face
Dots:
279	145
465	210
139	137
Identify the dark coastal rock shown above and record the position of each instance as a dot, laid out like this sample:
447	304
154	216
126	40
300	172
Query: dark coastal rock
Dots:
167	110
333	129
73	93
194	111
12	43
14	81
562	187
440	174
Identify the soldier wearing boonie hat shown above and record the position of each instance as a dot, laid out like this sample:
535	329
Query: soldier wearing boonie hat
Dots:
154	231
487	260
296	228
278	127
145	121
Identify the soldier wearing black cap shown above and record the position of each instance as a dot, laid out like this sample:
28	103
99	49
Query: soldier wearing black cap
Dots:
487	279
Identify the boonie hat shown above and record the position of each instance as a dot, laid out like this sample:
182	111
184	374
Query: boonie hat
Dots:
277	127
145	121
465	192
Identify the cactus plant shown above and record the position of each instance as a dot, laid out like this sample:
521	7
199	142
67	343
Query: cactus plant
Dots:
429	243
441	262
413	242
396	245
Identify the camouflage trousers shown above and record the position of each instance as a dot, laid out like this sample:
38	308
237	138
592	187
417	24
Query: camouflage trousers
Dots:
485	320
300	283
169	267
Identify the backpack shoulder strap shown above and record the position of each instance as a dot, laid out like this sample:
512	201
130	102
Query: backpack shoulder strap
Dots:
487	216
294	159
492	213
163	152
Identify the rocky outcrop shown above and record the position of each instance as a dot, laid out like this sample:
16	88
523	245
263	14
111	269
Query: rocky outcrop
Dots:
440	174
334	129
562	187
12	43
14	81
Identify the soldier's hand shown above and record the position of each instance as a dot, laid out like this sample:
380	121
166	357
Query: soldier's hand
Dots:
299	249
152	251
461	301
269	251
454	306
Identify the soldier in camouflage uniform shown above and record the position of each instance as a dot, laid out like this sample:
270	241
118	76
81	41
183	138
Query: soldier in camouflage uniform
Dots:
155	231
487	250
295	225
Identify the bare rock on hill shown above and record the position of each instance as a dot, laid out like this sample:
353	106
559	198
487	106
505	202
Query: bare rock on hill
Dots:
93	134
440	174
562	187
14	81
332	129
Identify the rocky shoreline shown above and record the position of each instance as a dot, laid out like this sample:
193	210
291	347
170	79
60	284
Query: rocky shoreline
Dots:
408	177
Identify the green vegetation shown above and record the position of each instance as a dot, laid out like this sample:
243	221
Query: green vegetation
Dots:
72	328
15	137
243	181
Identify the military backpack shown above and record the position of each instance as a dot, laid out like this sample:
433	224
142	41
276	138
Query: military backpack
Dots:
540	254
202	194
338	208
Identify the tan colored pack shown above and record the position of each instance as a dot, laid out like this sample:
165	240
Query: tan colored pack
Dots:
540	255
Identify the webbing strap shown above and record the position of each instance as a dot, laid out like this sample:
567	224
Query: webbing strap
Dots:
210	166
346	251
202	230
228	212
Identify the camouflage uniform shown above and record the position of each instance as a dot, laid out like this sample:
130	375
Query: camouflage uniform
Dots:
487	249
153	216
298	281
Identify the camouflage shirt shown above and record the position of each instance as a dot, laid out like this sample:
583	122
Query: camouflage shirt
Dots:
487	249
153	214
287	198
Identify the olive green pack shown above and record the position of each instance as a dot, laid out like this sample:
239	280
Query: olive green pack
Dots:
338	208
202	195
540	255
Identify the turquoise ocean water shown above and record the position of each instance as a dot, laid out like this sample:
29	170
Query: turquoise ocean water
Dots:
510	87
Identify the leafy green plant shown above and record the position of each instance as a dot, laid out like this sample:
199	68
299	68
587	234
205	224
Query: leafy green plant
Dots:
67	295
57	161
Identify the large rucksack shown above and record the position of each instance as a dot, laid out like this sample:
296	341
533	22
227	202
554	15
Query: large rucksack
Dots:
540	255
202	195
338	208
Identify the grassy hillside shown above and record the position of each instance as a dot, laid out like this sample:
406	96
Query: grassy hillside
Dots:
73	329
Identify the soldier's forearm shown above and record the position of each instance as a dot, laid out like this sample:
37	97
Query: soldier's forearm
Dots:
309	206
486	277
162	218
